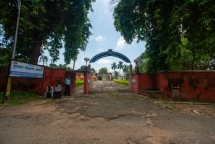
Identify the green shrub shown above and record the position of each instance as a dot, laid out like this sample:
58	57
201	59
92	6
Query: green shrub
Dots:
123	82
79	82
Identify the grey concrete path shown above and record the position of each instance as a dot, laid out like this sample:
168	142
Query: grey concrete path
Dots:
108	86
102	117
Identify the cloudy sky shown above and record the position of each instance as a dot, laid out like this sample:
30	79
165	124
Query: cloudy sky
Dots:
105	37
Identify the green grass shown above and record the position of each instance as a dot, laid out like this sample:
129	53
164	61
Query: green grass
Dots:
123	82
79	82
20	97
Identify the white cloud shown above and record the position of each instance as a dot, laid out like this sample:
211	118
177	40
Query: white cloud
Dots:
104	61
99	38
121	43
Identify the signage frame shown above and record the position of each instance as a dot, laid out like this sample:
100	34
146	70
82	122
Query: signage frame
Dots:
25	70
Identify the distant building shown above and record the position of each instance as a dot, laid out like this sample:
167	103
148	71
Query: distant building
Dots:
95	76
104	77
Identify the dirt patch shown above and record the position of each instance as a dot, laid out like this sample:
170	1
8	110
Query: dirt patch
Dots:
205	109
104	118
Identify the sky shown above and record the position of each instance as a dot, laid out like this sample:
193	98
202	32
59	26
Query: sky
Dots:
104	36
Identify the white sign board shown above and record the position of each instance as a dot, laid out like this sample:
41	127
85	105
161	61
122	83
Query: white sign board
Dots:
21	69
133	80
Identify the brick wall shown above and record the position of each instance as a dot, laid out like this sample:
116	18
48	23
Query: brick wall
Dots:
193	84
51	77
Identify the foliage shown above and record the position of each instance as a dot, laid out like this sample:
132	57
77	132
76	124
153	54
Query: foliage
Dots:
79	82
126	71
184	62
123	82
83	67
162	25
93	70
120	66
21	97
103	70
43	59
113	66
46	24
116	74
5	56
68	68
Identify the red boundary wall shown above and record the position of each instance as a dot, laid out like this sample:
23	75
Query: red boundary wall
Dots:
51	77
193	84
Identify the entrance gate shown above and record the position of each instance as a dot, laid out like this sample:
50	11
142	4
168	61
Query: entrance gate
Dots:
110	52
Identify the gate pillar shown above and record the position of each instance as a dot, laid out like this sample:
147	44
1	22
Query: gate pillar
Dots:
86	82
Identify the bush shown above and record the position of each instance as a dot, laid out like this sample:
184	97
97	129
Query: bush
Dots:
123	82
79	82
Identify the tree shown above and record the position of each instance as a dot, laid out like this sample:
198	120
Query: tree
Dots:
46	25
126	71
52	65
62	66
120	66
5	56
162	25
43	59
93	70
143	62
116	74
83	67
114	66
74	60
103	70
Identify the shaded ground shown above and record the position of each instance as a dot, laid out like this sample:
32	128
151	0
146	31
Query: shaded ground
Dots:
104	117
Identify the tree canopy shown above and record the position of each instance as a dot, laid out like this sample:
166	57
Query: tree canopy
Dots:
46	24
163	25
103	70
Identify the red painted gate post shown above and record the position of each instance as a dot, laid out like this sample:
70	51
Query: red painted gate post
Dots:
86	82
73	83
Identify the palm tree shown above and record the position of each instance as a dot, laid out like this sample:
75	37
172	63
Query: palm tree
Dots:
43	59
113	66
120	66
125	70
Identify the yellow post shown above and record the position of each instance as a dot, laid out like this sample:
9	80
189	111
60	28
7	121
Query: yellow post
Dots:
8	88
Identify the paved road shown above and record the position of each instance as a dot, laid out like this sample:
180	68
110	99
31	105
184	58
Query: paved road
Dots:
108	86
102	117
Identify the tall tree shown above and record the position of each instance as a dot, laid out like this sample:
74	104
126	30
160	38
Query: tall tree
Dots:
120	66
162	24
114	66
126	71
46	24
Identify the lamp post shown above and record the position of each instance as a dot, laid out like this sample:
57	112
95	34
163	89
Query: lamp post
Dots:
86	59
17	26
136	62
7	90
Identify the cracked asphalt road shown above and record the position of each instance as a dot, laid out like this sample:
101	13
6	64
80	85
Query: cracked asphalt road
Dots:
110	114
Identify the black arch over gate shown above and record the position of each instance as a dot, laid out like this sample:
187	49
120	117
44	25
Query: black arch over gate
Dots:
110	52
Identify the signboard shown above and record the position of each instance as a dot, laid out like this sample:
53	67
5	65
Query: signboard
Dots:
21	69
133	80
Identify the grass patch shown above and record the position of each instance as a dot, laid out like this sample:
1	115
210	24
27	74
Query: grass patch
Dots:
79	82
20	97
123	82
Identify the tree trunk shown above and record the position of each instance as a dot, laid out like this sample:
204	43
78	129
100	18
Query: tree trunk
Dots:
35	53
74	64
